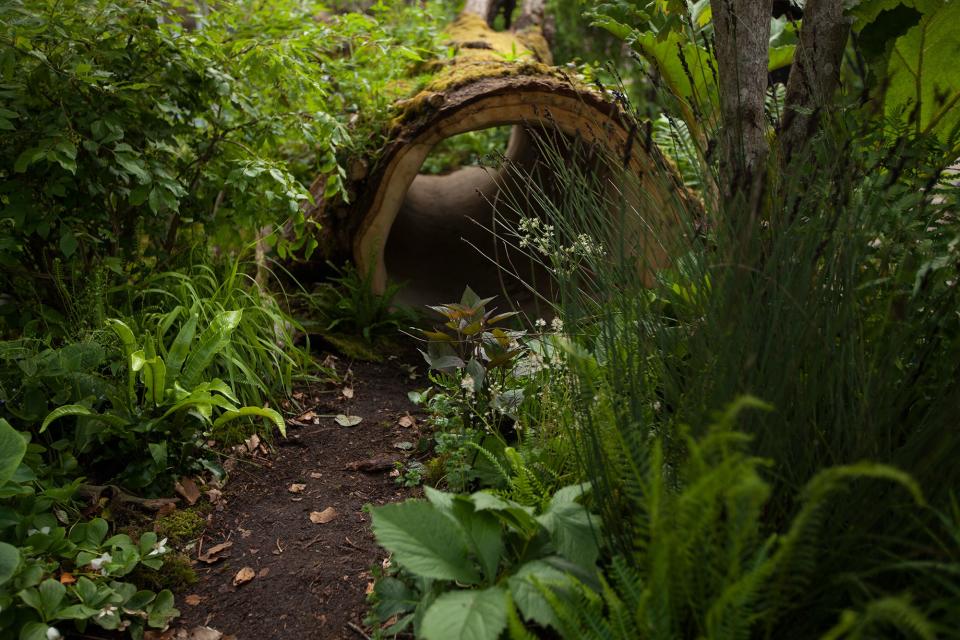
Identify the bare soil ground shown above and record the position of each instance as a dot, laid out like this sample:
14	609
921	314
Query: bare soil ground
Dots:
310	579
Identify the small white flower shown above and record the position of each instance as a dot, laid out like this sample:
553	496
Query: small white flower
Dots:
159	549
467	384
540	323
97	564
106	611
45	530
53	633
557	325
30	532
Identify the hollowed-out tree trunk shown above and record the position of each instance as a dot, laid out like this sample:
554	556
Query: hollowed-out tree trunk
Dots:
423	229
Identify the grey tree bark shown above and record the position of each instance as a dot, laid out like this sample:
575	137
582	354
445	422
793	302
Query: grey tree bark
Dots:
815	74
742	29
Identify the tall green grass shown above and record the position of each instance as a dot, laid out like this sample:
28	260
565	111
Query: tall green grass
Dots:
833	299
264	358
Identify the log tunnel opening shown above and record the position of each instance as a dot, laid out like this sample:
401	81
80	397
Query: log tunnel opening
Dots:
456	229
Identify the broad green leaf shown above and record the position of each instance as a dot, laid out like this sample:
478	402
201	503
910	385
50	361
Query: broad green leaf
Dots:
525	587
9	562
212	341
573	532
270	414
162	610
394	597
181	346
921	87
466	615
569	494
517	515
51	595
424	540
34	631
484	538
12	449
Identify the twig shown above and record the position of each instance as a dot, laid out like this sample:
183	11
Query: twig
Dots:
361	632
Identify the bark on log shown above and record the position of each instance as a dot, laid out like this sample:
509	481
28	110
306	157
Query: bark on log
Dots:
495	79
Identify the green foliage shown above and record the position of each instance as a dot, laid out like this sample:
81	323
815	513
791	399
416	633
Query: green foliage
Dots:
835	306
475	148
348	315
85	564
261	360
903	41
132	132
156	424
467	561
703	564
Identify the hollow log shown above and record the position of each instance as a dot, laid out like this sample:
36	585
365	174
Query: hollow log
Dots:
404	226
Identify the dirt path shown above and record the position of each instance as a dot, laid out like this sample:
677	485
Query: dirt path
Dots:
310	578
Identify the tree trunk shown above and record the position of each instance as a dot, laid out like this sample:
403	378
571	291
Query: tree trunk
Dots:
815	74
742	30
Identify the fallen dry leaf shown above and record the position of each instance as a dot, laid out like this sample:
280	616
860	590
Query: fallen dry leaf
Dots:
369	589
193	599
244	576
296	487
199	633
403	446
214	495
347	392
67	578
264	572
323	517
407	421
348	421
212	554
252	443
306	417
188	489
316	474
158	635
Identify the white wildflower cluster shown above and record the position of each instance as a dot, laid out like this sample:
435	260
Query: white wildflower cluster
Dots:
540	237
537	235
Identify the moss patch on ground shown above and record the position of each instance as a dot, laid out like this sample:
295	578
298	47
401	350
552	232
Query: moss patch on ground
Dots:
180	526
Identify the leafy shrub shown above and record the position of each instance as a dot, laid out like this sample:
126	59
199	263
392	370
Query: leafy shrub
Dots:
86	565
169	413
703	563
471	562
126	128
263	357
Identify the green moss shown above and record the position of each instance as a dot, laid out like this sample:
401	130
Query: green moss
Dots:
181	526
481	53
175	574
